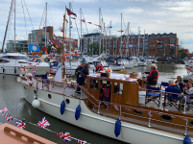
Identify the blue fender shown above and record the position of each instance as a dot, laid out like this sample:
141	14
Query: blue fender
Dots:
117	128
187	140
77	113
62	107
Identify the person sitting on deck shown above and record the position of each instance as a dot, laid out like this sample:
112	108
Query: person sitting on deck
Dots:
172	88
188	85
179	82
105	94
153	76
99	67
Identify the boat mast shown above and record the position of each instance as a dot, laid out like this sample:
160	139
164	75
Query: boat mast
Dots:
14	24
121	38
143	44
70	33
138	44
11	7
81	19
128	38
45	44
62	49
99	31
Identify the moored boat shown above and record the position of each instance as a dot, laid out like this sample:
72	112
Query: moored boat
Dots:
124	114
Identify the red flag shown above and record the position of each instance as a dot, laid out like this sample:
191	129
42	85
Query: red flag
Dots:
70	12
44	48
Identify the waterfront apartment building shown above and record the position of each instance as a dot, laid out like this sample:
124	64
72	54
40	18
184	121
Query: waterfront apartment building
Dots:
37	37
157	45
17	46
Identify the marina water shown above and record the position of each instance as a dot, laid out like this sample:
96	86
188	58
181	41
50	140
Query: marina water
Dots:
11	96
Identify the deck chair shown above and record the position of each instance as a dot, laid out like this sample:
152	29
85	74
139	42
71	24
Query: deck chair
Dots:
153	94
173	97
163	86
189	100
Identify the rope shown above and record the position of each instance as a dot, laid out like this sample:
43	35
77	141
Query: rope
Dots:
29	14
24	17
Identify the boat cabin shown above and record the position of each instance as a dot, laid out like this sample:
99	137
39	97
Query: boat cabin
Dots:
117	88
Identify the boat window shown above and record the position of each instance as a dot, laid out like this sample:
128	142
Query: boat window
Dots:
118	88
14	57
3	61
22	62
94	84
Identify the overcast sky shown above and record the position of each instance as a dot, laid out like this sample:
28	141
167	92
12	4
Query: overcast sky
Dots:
152	16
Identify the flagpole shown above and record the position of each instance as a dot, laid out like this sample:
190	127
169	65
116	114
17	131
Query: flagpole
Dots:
70	32
62	50
120	50
45	24
80	31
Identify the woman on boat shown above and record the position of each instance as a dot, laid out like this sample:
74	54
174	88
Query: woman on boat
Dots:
153	76
99	67
179	82
188	85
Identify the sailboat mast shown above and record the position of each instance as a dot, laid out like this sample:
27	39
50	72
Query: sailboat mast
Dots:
99	31
70	33
14	24
81	19
11	7
138	41
121	38
45	44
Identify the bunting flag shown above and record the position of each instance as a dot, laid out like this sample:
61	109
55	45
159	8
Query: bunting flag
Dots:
81	142
20	124
158	42
64	135
83	20
89	22
70	12
3	110
49	42
8	117
149	113
120	31
44	48
109	27
116	107
43	123
171	45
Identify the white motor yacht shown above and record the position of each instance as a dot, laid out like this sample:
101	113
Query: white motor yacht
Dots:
11	63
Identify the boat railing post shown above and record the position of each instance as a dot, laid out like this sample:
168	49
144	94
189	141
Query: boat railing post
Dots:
186	129
185	99
99	107
120	111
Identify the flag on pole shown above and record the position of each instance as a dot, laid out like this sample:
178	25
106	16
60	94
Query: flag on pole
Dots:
8	117
70	12
43	123
20	124
34	48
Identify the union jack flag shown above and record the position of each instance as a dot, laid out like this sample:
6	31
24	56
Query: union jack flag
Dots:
43	123
64	135
81	142
9	117
3	110
20	124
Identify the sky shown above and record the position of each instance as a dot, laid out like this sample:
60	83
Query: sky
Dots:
151	16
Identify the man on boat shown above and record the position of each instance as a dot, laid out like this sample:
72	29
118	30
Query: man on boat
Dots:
153	76
99	67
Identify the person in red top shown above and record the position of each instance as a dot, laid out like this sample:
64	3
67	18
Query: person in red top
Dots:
153	75
99	67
